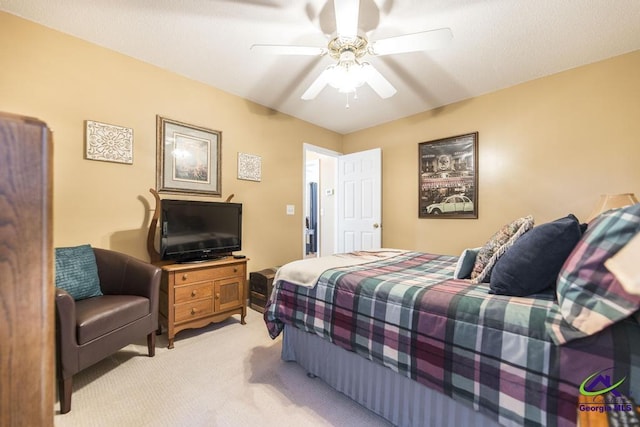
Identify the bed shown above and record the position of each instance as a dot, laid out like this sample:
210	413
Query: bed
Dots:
404	335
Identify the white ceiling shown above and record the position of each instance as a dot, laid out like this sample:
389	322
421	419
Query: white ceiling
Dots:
496	44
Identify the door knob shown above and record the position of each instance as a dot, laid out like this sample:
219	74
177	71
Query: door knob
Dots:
376	225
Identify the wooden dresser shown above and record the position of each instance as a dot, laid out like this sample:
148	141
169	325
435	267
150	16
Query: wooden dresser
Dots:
195	295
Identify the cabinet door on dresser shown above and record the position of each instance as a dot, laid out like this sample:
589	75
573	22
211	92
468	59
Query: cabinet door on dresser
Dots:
230	287
228	293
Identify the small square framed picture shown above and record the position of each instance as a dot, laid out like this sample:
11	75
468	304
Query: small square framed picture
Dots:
249	167
108	143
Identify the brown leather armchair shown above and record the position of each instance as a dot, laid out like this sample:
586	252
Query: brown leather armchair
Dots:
89	330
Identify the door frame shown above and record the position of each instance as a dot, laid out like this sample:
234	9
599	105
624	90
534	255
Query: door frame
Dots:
306	147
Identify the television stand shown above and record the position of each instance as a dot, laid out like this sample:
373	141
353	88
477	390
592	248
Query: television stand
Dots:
194	295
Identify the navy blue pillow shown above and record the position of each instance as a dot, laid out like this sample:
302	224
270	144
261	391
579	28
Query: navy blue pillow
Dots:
534	261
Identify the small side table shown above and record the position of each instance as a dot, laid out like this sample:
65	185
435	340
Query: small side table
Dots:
260	285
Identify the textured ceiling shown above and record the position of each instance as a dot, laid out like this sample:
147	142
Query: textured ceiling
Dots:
496	44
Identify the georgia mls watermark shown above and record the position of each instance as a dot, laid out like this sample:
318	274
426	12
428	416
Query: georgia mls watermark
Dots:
603	392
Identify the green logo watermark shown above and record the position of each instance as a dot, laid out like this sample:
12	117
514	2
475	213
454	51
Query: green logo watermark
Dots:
603	394
588	386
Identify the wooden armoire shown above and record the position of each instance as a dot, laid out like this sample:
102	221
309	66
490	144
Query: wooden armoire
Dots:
27	339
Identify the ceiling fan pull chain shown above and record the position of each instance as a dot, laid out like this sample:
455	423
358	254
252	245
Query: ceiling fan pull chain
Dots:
355	98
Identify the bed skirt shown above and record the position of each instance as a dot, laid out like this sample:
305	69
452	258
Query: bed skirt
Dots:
394	397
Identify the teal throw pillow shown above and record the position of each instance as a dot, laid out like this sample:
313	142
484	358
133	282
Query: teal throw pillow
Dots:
77	272
465	263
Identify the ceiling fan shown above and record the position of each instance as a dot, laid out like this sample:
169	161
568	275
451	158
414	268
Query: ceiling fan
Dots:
348	48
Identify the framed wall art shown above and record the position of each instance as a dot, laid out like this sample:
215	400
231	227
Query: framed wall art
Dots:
249	167
448	177
188	158
108	143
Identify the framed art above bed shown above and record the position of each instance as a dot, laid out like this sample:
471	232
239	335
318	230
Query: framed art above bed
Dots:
448	177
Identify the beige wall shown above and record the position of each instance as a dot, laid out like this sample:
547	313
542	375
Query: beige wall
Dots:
548	147
64	81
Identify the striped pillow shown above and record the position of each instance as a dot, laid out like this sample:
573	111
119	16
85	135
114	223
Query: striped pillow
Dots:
497	245
589	296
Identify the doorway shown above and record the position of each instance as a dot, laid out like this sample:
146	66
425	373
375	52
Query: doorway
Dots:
342	201
319	195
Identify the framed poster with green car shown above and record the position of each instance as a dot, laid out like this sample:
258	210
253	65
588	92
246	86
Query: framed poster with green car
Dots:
448	177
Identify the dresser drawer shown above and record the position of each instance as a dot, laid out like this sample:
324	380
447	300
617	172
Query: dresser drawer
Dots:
193	310
194	276
230	271
193	292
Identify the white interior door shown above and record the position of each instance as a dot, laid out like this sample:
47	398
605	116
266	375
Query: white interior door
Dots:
359	225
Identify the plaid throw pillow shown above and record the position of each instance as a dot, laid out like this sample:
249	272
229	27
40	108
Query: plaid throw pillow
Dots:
497	245
590	298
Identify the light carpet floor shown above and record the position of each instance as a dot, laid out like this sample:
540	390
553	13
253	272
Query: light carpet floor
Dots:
225	374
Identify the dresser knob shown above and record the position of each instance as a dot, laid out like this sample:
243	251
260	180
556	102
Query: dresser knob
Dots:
184	276
193	293
193	311
218	295
235	269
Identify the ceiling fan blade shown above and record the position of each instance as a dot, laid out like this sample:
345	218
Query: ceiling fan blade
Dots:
318	84
425	40
377	81
274	49
347	17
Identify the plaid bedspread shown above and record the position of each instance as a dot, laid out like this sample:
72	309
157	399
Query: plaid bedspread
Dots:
490	351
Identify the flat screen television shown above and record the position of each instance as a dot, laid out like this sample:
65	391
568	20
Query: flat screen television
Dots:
194	231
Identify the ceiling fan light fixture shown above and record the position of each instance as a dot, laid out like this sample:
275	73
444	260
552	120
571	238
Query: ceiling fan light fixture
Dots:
348	48
346	76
